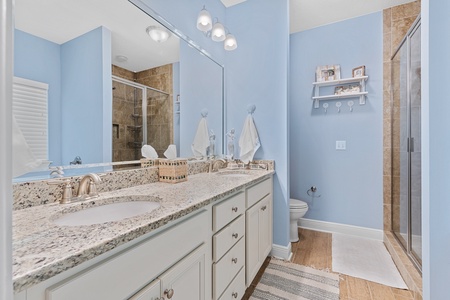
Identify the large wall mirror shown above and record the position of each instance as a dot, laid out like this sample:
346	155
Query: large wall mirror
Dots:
116	78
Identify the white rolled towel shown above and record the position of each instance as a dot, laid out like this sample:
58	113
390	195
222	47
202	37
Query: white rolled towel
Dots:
249	140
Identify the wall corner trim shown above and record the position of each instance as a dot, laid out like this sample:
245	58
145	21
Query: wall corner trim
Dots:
364	232
282	252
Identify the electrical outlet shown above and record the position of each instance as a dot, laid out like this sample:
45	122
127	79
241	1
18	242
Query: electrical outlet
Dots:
341	145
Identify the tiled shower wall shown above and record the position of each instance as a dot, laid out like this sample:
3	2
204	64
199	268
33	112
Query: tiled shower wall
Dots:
159	106
396	23
159	112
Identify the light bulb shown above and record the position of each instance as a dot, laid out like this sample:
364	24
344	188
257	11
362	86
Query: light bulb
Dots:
230	42
204	21
218	32
158	34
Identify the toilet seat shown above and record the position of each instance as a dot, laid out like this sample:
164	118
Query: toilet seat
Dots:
297	204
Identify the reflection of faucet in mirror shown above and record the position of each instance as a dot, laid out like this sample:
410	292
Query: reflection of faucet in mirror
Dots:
77	161
212	143
230	144
85	191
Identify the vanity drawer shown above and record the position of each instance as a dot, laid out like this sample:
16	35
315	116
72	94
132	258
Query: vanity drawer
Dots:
236	289
258	191
228	210
227	267
227	237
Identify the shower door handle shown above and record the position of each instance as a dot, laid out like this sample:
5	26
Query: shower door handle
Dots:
411	144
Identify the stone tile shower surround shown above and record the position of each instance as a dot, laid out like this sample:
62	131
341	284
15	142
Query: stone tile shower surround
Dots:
159	111
396	23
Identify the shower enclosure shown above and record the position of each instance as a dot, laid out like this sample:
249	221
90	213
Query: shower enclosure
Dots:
141	115
406	144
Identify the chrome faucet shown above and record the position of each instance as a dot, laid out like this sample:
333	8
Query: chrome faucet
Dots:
87	188
213	164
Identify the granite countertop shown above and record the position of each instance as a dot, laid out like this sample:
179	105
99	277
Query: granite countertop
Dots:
42	249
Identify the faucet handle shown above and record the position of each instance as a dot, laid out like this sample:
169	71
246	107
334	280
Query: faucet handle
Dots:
92	189
67	189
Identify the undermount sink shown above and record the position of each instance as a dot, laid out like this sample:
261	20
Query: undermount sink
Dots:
233	173
106	213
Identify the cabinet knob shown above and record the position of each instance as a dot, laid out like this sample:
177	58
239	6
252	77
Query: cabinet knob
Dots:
235	209
168	293
234	260
235	235
235	295
264	207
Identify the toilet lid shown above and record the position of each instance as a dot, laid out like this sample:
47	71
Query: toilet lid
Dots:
295	203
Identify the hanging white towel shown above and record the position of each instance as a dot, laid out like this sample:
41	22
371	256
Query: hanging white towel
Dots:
23	161
201	140
249	140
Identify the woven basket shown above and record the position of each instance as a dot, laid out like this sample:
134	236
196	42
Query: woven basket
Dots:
147	162
173	170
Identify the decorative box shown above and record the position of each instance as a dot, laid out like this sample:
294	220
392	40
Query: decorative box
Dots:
173	170
147	162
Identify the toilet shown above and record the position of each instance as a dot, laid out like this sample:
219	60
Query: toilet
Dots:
297	209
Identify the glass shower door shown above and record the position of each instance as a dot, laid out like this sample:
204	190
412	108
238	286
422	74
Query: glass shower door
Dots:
406	145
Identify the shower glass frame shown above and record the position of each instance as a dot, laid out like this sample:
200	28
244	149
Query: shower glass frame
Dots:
407	243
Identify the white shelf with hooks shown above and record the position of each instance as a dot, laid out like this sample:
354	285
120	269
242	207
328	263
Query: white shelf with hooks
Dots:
362	94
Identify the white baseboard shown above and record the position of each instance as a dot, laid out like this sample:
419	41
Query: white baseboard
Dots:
282	252
363	232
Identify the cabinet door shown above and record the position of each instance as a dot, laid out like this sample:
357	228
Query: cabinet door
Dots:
265	228
258	237
151	292
251	244
186	279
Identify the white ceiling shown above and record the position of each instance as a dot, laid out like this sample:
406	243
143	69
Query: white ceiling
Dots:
62	20
307	14
229	3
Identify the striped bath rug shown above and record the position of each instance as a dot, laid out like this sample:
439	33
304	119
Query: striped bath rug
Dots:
284	280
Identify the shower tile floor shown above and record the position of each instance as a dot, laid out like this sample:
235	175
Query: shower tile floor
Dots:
314	250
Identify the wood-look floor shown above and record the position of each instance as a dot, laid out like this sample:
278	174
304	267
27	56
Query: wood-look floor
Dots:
314	250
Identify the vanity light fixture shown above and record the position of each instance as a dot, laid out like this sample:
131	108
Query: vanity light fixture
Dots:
217	31
204	21
158	34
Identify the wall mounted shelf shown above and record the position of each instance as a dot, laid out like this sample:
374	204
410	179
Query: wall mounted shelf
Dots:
362	95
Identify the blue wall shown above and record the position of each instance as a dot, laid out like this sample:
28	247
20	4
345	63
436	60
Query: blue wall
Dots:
200	88
436	146
86	97
38	59
257	73
350	182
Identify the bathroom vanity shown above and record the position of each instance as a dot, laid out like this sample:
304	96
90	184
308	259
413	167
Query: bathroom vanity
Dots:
207	240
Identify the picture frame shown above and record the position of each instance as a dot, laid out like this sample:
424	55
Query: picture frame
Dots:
328	73
358	71
347	89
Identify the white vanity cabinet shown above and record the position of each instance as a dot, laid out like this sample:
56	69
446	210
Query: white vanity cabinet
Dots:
174	258
185	280
258	218
229	247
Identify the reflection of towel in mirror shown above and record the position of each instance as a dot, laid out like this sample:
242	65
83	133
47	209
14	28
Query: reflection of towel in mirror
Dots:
249	140
23	159
201	140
